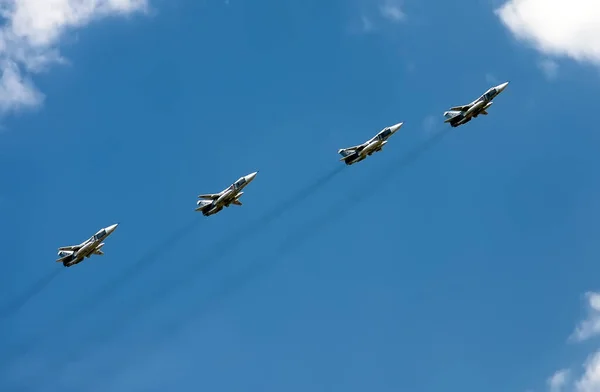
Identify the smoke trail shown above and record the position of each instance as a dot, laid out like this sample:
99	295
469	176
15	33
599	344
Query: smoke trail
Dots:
222	247
35	289
231	241
104	292
303	234
139	266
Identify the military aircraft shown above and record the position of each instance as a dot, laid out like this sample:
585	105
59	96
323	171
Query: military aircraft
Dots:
213	203
459	115
71	255
352	155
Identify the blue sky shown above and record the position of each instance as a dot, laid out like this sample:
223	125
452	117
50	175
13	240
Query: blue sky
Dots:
467	263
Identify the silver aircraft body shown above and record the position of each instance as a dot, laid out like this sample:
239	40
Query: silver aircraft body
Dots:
71	255
354	154
212	203
459	115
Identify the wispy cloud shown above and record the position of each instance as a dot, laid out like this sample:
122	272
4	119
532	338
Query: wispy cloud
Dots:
30	36
549	68
590	380
367	25
586	378
391	10
491	78
559	380
374	15
591	325
568	28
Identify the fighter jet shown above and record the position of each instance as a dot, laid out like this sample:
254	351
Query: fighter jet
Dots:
459	115
71	255
213	203
352	155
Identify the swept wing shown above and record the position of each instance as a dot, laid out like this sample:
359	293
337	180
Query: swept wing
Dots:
72	247
210	196
462	108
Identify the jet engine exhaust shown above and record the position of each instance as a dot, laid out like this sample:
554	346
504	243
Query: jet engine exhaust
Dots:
296	239
35	289
229	243
305	233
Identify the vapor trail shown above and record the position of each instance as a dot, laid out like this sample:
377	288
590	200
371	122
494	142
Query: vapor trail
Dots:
35	289
105	291
303	234
229	243
222	247
298	238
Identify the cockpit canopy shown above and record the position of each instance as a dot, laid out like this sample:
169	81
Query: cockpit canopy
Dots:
491	93
99	235
384	134
239	183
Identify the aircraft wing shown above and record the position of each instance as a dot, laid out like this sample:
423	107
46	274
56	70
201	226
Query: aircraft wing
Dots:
461	108
209	196
72	247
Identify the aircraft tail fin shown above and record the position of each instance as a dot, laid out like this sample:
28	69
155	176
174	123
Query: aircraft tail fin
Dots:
449	115
344	153
64	255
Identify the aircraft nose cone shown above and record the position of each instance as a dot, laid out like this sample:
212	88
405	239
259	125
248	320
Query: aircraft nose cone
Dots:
251	176
111	228
502	87
395	127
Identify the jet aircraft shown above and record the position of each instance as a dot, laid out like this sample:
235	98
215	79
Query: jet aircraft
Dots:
212	203
71	255
352	155
459	115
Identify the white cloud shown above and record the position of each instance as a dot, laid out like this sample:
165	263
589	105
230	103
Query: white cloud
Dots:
591	325
550	68
30	35
590	380
568	28
367	25
558	381
392	11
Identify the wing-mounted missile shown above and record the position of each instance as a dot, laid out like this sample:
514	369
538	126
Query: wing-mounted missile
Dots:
483	111
237	201
97	251
370	148
383	143
475	108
